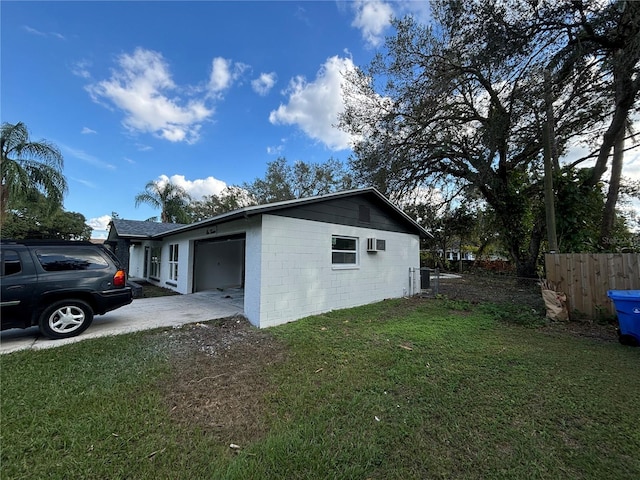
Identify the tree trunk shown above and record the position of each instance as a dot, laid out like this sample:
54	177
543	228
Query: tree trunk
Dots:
524	258
607	241
626	85
549	166
522	243
527	263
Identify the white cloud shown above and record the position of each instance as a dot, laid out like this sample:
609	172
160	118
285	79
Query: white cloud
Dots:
277	150
34	31
195	188
314	106
631	166
99	223
220	78
223	73
302	15
86	183
81	69
87	131
372	18
85	157
264	83
143	148
140	87
100	226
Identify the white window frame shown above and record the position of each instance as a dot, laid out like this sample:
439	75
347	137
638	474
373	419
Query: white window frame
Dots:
356	251
173	262
154	262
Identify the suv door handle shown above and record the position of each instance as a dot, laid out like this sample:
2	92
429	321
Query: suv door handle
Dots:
16	287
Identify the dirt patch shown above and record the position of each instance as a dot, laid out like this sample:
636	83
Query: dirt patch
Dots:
601	332
150	290
525	292
496	289
220	378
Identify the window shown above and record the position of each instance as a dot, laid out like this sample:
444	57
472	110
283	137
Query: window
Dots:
173	262
154	264
64	259
10	263
344	251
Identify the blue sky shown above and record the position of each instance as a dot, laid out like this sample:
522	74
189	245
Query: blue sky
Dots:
204	93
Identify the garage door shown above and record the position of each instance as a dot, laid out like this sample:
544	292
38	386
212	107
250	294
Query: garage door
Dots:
219	263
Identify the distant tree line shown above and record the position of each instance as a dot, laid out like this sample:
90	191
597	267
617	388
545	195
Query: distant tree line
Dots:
282	181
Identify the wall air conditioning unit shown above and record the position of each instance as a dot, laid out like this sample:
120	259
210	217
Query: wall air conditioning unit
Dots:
376	245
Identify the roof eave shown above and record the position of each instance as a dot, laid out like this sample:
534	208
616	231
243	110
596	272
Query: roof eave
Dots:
247	212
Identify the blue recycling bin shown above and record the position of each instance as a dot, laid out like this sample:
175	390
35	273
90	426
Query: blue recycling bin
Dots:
627	303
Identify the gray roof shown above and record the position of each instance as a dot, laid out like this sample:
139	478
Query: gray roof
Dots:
141	229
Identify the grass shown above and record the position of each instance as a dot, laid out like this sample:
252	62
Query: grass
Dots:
400	389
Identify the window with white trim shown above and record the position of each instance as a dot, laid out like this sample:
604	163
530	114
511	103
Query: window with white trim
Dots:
344	251
154	263
173	262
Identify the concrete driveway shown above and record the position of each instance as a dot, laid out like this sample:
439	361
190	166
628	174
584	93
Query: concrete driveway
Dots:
141	314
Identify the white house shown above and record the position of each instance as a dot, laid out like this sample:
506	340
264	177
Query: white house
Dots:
293	259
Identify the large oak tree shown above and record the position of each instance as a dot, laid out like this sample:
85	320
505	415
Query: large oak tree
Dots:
463	101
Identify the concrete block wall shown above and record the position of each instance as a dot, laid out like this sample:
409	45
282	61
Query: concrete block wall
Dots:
298	279
253	273
136	260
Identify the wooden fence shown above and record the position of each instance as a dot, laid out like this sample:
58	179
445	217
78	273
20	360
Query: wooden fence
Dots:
586	278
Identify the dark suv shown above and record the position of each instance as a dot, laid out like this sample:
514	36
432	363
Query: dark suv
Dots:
58	285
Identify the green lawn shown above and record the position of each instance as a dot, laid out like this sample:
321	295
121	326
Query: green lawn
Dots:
400	389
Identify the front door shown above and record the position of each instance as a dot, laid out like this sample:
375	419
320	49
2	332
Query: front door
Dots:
145	267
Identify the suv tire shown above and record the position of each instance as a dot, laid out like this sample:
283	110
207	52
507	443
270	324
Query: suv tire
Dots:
66	318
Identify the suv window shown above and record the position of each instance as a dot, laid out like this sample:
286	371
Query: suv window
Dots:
56	260
112	256
10	263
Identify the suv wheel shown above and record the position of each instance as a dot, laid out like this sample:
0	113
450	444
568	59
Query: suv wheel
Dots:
65	318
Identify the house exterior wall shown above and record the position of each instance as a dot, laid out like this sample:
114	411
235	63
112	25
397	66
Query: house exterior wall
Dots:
186	242
288	266
136	262
253	273
298	278
136	259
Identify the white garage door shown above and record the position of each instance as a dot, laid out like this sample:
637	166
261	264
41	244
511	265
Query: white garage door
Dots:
219	263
